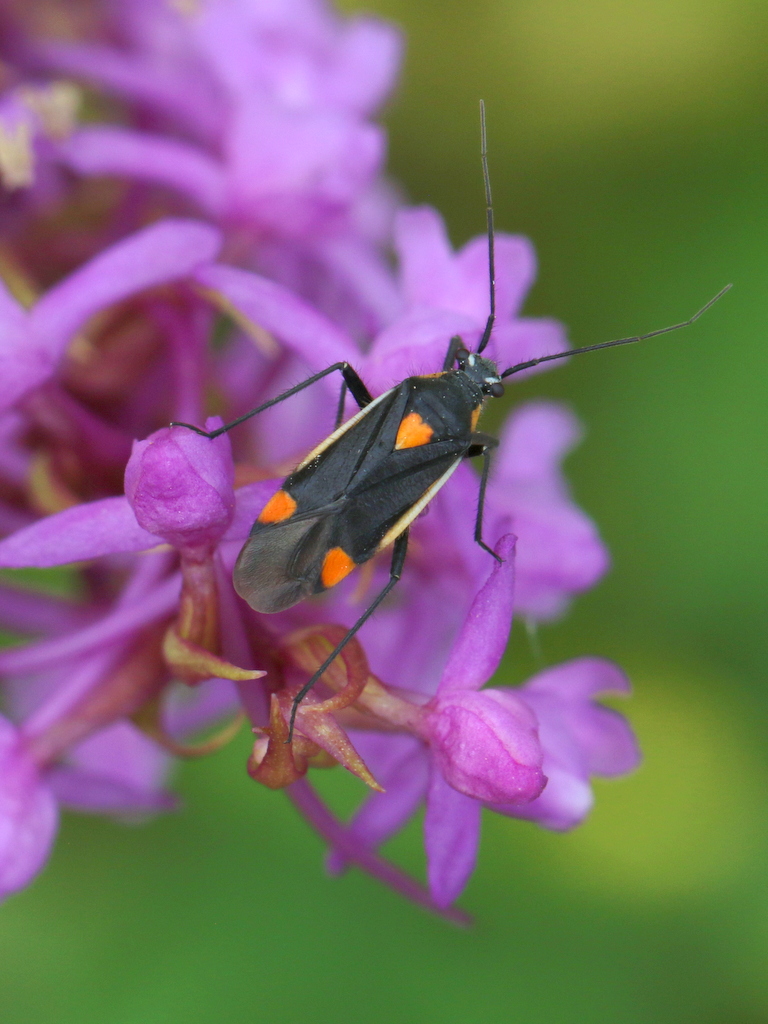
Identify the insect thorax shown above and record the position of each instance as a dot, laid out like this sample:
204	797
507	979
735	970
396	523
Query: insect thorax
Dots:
481	371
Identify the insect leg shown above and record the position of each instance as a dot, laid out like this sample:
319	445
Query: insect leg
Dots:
398	559
483	444
454	346
352	380
340	407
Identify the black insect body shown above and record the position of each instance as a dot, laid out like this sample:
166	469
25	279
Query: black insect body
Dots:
359	491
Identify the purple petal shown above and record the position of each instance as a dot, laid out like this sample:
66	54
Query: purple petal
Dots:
83	791
28	611
24	693
415	343
189	709
534	442
407	643
105	527
24	363
162	252
580	679
433	277
478	649
425	256
579	739
15	458
368	59
308	165
580	733
28	814
44	698
362	271
559	553
452	516
118	770
451	838
127	153
610	744
515	273
307	333
265	47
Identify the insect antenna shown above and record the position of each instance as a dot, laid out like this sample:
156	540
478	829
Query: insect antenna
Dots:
619	341
489	220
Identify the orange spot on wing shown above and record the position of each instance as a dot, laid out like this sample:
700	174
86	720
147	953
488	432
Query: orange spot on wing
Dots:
279	507
413	431
336	565
476	416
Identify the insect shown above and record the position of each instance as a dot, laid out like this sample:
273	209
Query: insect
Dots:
357	493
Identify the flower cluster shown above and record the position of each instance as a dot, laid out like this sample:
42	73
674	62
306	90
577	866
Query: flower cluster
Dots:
227	233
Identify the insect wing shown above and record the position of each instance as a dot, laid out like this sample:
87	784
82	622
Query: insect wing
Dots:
280	563
388	494
327	474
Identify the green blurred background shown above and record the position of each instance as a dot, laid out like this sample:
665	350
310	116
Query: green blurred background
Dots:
628	140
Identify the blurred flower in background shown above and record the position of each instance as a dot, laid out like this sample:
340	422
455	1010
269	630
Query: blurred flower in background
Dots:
239	235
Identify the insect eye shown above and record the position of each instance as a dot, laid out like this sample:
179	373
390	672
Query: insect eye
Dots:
497	389
462	355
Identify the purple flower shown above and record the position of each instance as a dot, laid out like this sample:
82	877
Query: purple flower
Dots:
259	115
109	527
482	743
460	747
180	485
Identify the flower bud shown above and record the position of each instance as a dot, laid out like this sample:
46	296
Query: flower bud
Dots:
180	485
486	744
